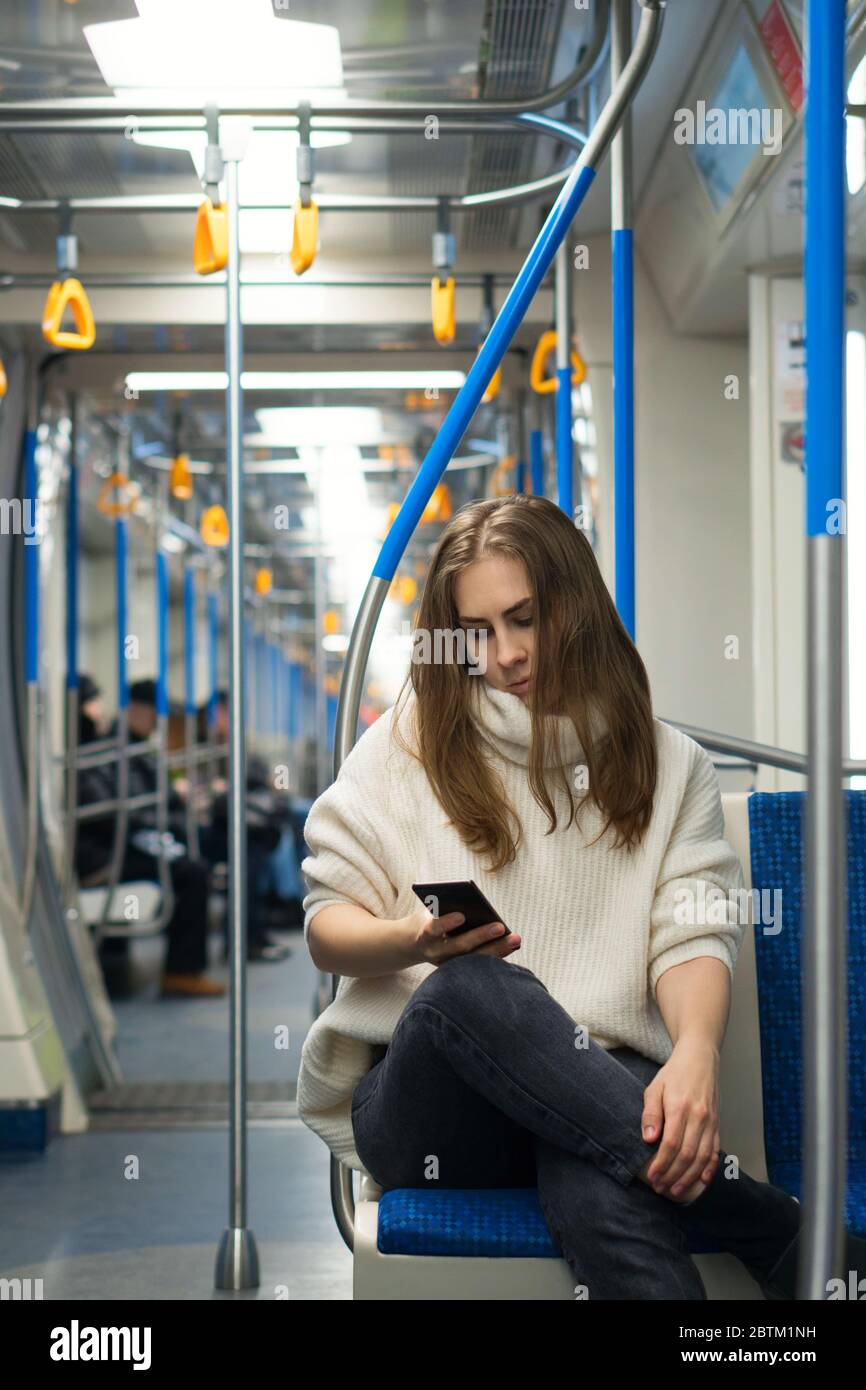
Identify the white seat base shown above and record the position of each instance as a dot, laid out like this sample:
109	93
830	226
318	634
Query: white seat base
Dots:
148	896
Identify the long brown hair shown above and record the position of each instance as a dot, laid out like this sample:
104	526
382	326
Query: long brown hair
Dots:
584	662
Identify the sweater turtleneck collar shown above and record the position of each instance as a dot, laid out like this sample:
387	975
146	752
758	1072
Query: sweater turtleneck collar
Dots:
506	722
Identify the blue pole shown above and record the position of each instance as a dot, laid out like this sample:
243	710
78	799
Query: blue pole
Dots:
213	654
162	633
564	442
825	264
120	567
623	426
31	559
189	637
536	462
72	579
492	351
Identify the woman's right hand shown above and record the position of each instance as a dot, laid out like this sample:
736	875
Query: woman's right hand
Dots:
429	940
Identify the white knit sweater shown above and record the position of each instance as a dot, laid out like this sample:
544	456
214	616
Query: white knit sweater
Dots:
598	927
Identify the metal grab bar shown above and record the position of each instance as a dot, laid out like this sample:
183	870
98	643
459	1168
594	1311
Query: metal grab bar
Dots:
452	430
41	112
118	847
94	809
763	754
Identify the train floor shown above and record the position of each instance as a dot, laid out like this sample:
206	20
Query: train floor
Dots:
134	1207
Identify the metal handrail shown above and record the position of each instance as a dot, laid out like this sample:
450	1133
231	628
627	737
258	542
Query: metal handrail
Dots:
452	430
764	754
41	112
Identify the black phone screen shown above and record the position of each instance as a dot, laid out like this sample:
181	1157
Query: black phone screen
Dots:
461	896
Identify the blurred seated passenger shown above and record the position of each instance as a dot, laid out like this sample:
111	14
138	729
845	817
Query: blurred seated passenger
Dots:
263	837
187	929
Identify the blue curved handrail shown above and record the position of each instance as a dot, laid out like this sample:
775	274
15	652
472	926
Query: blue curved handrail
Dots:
481	372
189	638
162	633
623	433
564	442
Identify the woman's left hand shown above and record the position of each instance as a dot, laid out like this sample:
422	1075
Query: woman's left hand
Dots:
682	1104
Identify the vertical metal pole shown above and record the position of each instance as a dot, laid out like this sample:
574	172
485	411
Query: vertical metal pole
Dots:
237	1265
564	329
321	706
623	332
825	1050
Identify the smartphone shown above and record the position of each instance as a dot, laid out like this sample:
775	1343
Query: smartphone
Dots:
462	896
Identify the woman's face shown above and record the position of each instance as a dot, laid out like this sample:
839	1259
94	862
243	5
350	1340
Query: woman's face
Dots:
494	597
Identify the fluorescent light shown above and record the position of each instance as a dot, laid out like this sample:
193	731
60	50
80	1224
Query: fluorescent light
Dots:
177	381
214	47
10	202
298	381
352	381
325	426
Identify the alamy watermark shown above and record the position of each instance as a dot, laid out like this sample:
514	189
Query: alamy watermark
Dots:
709	905
445	646
737	125
22	518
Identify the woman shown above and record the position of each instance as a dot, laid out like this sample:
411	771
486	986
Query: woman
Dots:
578	1047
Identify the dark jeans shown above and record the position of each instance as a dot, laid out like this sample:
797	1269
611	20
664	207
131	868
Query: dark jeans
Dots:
214	847
482	1085
187	928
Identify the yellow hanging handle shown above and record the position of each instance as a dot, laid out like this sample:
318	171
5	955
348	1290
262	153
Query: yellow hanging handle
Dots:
498	486
63	295
264	581
4	385
544	385
494	384
214	527
180	484
119	506
210	246
442	306
305	237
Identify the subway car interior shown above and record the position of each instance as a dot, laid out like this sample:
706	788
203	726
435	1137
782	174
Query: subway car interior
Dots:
567	260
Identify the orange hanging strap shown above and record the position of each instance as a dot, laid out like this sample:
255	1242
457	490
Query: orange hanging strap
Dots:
493	385
544	385
305	237
180	484
443	309
4	385
210	247
124	503
214	527
63	295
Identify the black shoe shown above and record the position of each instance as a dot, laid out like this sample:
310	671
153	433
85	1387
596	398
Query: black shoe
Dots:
781	1282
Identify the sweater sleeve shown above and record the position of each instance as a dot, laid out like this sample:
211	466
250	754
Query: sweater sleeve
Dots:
353	850
690	917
